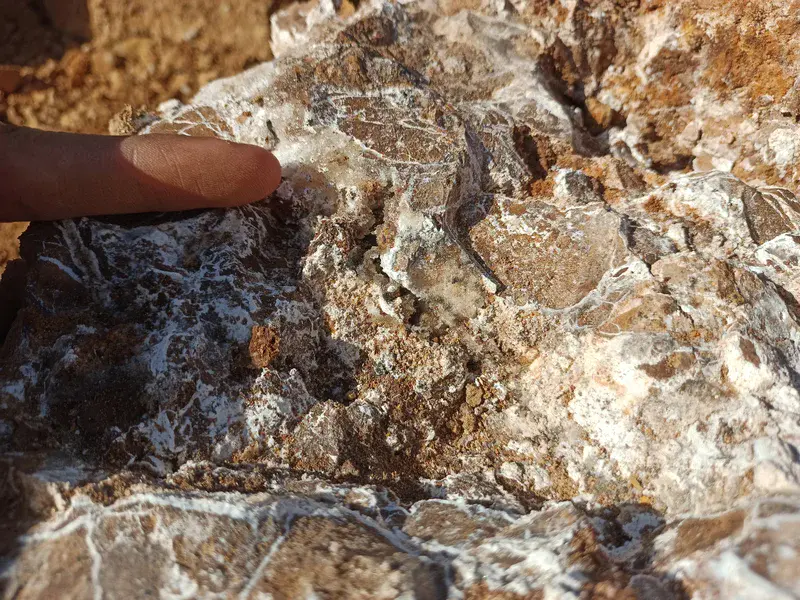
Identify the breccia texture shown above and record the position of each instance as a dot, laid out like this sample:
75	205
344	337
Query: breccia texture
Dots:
521	321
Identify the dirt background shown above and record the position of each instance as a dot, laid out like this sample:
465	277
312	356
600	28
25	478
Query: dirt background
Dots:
71	65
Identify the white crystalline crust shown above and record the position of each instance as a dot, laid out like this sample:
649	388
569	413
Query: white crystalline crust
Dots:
240	545
581	356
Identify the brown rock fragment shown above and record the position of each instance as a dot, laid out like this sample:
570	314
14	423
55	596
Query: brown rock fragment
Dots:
10	78
474	395
698	534
341	559
265	343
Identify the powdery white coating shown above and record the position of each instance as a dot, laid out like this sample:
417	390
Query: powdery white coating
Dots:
619	379
641	362
166	290
726	569
464	546
777	259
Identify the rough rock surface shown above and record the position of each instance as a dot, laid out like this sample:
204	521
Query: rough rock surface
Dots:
520	322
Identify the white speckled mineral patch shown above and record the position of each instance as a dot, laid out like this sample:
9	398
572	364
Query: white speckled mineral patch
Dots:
322	394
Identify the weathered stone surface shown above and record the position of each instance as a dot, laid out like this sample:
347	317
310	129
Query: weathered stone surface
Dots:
489	282
297	539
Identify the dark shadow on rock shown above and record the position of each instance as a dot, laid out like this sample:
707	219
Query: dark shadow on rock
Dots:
26	500
643	577
12	294
17	516
89	314
33	31
793	308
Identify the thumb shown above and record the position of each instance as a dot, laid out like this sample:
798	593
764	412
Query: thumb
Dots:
46	175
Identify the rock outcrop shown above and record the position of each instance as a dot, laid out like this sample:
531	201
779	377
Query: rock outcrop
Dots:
521	321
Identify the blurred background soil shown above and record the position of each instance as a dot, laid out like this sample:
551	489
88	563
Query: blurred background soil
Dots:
70	65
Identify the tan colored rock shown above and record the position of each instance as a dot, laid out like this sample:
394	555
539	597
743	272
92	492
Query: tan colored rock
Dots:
292	536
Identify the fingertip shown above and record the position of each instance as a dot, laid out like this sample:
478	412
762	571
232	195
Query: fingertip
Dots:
270	169
258	172
202	172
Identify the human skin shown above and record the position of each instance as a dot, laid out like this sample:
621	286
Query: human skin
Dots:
48	175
